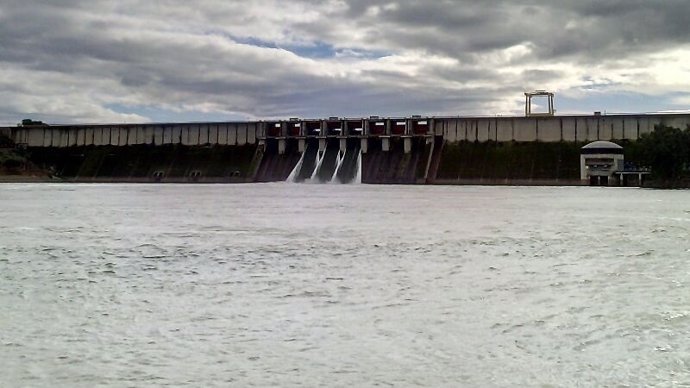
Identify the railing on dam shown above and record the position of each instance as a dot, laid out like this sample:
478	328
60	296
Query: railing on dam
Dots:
452	129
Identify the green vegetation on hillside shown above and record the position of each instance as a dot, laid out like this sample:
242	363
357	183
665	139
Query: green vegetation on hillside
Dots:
666	151
11	159
6	141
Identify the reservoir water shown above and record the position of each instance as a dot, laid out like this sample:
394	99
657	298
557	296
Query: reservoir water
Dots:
343	285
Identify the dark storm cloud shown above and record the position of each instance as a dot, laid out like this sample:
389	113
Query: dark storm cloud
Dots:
74	60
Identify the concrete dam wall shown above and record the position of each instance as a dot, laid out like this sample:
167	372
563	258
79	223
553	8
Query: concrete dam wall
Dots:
147	163
487	150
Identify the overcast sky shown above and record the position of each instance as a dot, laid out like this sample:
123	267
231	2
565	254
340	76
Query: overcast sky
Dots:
90	61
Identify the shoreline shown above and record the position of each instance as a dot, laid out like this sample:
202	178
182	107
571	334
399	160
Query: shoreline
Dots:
8	179
221	180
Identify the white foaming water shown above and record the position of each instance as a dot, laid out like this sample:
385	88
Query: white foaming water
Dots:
343	285
295	171
358	175
341	158
320	155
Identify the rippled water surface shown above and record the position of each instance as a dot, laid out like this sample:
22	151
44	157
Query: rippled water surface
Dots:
343	285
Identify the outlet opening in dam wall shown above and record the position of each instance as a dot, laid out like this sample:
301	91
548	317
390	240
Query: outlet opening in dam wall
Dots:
323	160
276	164
379	160
387	161
332	160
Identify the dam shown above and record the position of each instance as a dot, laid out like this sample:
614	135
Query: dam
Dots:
387	150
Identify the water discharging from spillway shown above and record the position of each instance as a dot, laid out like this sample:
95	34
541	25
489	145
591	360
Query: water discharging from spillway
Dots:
341	158
329	165
358	174
320	156
293	175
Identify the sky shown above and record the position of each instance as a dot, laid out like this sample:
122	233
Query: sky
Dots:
98	61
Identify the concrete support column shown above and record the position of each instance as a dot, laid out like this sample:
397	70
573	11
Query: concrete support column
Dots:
366	128
322	144
364	145
432	143
301	145
343	145
385	144
281	146
407	145
583	169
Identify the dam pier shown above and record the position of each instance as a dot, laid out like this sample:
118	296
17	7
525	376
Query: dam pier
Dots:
534	150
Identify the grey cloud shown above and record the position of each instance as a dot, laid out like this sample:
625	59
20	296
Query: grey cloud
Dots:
454	27
181	54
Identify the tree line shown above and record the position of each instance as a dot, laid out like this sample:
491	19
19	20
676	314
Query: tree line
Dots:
666	151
